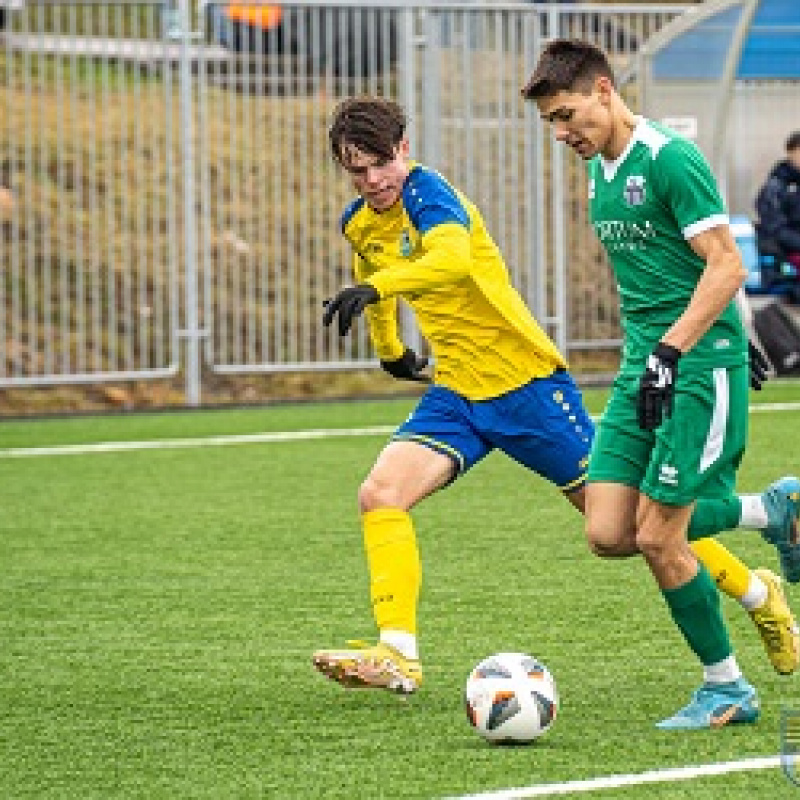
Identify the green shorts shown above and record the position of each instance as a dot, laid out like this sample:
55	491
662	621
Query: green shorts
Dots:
694	453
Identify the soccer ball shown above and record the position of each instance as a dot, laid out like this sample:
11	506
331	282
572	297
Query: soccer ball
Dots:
511	697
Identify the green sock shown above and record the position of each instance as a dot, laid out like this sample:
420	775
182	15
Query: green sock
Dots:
712	516
695	609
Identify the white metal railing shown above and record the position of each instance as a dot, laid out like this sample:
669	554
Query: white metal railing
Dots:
168	202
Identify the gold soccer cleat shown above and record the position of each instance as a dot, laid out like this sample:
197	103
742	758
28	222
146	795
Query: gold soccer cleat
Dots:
370	667
776	626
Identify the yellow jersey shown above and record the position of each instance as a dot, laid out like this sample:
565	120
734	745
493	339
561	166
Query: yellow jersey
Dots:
432	249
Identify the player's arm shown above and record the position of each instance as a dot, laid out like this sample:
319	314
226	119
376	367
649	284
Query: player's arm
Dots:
381	319
446	260
721	279
444	257
399	361
684	182
438	213
687	186
724	274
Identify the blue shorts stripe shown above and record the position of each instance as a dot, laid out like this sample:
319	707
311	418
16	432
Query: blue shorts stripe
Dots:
433	444
573	485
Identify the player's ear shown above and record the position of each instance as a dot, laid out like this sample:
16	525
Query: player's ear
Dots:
604	88
404	148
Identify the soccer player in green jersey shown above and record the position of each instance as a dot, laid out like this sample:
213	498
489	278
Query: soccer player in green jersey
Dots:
675	426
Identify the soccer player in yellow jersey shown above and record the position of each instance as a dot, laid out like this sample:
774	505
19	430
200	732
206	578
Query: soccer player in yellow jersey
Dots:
499	383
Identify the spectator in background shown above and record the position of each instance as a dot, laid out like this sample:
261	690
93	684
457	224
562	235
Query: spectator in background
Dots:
778	207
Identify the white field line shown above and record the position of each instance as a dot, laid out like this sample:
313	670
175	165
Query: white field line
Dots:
634	779
250	438
203	441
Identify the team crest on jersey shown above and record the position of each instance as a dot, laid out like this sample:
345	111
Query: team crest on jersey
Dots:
405	243
634	190
591	188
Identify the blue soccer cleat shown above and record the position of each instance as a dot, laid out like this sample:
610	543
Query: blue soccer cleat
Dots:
714	705
782	502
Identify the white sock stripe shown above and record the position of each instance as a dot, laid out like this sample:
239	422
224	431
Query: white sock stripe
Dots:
725	671
756	594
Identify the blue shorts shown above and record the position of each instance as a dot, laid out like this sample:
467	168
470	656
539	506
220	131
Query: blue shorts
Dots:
542	425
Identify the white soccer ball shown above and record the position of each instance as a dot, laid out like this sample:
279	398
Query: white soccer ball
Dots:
511	697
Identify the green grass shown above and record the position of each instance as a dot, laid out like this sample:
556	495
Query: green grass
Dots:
159	609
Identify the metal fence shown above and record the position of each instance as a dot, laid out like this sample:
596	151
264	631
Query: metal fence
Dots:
168	202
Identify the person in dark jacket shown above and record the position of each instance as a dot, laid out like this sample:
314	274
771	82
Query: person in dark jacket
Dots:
778	207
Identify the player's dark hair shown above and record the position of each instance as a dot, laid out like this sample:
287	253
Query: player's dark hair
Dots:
374	125
793	142
567	65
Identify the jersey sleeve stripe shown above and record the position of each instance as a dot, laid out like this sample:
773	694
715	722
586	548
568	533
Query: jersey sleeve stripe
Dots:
703	225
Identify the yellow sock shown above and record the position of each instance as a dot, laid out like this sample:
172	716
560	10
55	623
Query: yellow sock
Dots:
394	568
730	574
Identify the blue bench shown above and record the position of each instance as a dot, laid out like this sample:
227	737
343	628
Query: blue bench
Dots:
764	274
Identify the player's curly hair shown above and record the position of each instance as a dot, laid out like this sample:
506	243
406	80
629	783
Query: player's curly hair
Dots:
374	125
567	65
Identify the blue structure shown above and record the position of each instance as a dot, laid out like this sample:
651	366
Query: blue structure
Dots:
771	48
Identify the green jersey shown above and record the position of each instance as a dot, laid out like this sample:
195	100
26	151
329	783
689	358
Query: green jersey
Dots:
644	206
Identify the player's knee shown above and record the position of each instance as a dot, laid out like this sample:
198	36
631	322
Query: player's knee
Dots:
375	493
651	544
607	539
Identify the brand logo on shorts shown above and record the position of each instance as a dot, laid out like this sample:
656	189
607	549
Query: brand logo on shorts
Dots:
668	474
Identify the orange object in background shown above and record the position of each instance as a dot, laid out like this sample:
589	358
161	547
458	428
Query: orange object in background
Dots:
345	41
265	17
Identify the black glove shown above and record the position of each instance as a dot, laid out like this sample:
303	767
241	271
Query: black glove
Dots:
657	386
408	367
759	367
349	303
